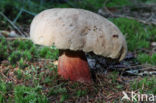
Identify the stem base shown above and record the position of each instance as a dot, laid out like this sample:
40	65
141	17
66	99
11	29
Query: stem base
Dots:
73	65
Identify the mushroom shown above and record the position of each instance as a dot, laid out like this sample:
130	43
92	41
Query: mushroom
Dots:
76	32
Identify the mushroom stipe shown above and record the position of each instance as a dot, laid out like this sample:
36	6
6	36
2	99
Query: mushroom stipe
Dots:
73	65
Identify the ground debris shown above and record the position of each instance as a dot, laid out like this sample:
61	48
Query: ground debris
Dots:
144	13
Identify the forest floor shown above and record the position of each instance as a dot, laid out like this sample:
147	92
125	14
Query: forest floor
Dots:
28	72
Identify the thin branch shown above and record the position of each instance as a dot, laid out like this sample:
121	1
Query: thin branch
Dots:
17	38
15	27
20	13
33	14
108	13
137	19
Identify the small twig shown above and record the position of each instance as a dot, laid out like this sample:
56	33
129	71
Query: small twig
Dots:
33	14
4	76
151	7
15	27
18	38
139	20
129	17
42	59
20	13
107	10
105	2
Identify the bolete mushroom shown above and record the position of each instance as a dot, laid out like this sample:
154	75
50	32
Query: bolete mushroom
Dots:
73	32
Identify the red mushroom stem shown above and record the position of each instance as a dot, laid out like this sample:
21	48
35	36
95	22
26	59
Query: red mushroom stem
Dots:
73	65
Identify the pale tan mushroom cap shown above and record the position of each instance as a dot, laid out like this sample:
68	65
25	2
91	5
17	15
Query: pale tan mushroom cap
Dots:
78	29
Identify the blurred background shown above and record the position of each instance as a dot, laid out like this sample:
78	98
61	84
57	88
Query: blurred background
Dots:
21	12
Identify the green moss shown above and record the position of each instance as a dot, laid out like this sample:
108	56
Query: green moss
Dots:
27	55
80	93
48	53
113	76
25	94
137	34
153	59
57	91
14	57
25	45
18	74
143	44
114	3
152	32
19	56
63	97
3	49
145	85
22	63
143	58
3	52
20	52
3	90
